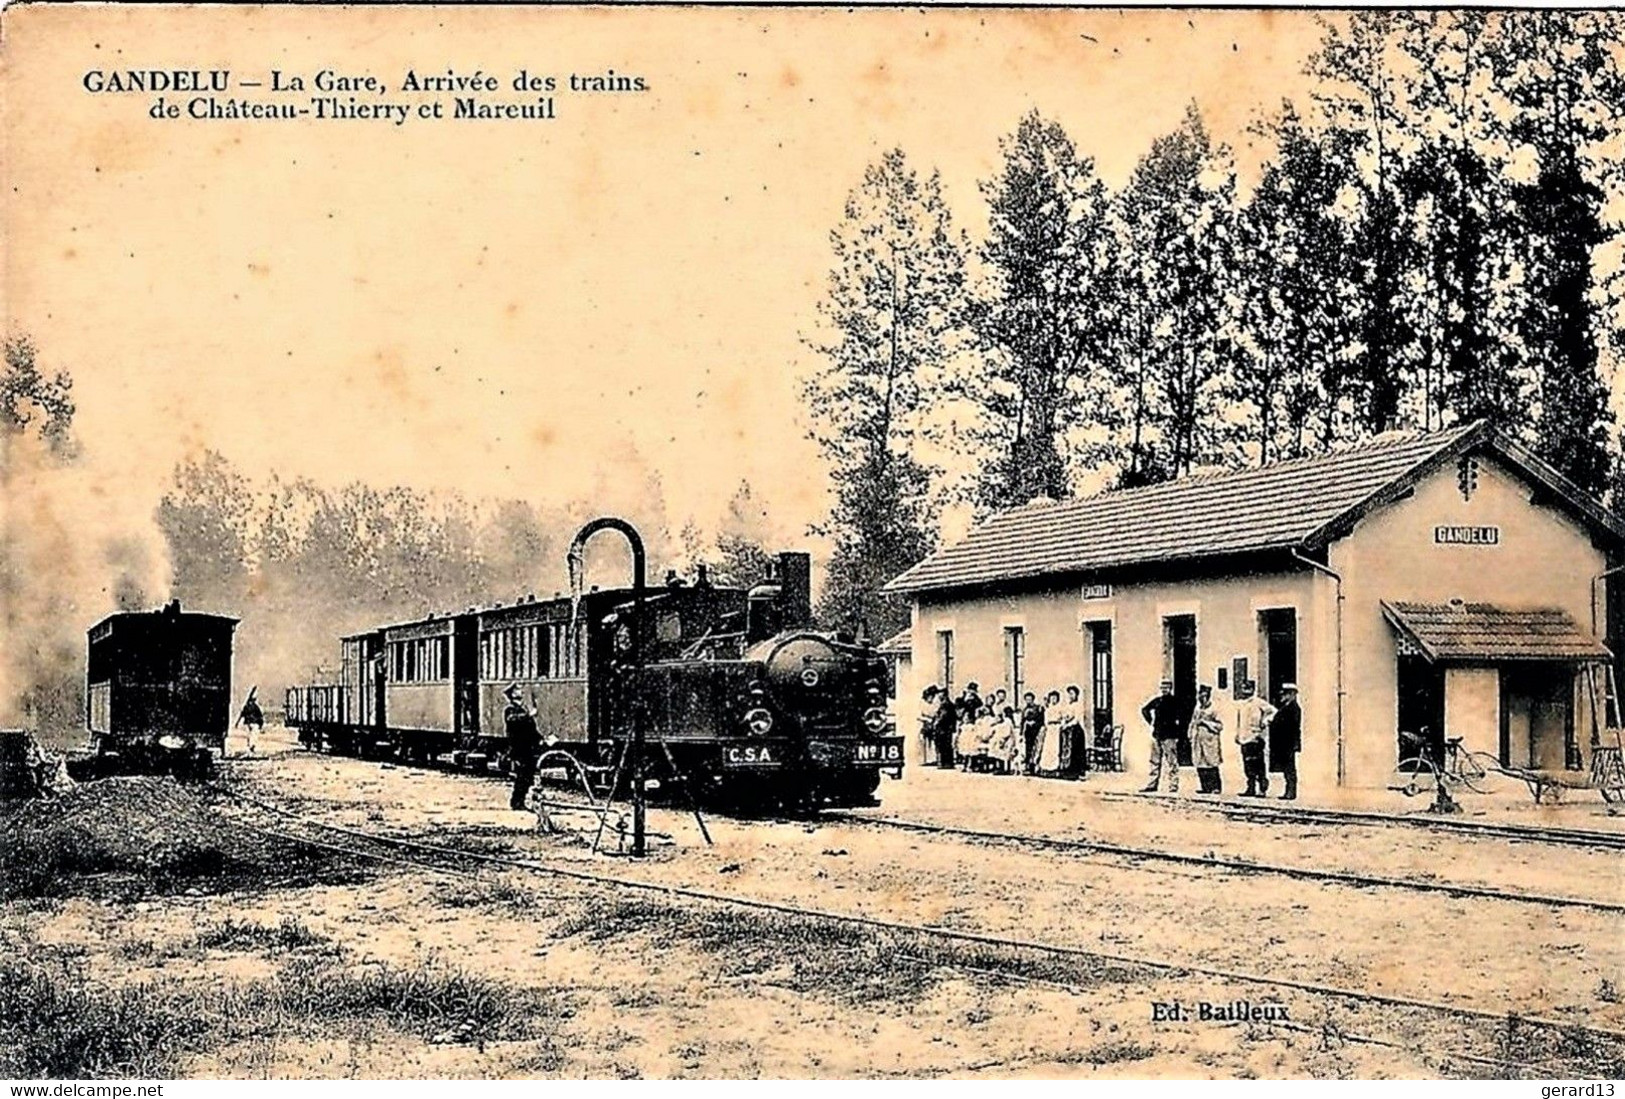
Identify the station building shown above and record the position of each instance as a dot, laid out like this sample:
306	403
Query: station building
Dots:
1450	582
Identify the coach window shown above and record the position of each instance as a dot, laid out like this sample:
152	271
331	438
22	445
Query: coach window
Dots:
579	649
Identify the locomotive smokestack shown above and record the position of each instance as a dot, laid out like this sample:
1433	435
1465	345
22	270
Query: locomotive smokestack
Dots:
795	586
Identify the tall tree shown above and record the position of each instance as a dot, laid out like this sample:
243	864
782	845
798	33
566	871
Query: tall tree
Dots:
1561	73
1291	286
892	311
1468	365
1358	92
1179	210
1043	320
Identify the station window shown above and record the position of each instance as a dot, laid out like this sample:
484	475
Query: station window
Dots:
1015	660
945	660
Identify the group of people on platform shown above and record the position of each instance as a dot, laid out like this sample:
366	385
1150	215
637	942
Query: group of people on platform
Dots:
1269	738
998	735
1001	735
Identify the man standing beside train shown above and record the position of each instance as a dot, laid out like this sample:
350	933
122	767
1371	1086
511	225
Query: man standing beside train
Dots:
524	743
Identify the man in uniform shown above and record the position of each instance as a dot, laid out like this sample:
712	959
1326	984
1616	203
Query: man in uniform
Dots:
524	742
944	724
1286	737
1163	715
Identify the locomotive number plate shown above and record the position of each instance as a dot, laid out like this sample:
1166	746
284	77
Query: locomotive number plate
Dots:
885	751
750	755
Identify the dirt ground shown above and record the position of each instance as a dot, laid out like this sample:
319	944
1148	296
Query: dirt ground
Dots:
572	980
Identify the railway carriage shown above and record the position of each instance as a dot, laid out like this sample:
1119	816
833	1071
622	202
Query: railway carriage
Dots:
158	686
738	695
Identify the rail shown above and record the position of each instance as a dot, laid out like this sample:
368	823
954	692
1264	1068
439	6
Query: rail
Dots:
1565	1030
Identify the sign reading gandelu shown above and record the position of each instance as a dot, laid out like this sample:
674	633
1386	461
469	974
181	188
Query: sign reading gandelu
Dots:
1466	536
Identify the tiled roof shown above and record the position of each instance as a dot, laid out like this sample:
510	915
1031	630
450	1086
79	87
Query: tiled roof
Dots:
1481	631
1270	507
900	643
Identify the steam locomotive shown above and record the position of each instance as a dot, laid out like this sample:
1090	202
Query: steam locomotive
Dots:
741	701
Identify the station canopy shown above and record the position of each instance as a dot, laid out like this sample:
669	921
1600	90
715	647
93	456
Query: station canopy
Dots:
1480	633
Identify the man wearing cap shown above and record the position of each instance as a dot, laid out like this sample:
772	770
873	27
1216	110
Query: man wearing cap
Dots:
1162	714
1286	737
1253	716
1207	745
524	742
970	703
944	723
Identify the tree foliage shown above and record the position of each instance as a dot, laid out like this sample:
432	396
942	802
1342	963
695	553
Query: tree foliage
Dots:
1428	243
1044	317
892	313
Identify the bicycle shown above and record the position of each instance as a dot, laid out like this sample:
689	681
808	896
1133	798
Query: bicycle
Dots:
1459	767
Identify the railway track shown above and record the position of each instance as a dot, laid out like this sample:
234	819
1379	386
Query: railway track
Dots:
1245	866
1564	837
1217	862
1577	1050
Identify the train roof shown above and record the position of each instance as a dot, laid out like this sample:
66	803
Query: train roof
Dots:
595	600
169	611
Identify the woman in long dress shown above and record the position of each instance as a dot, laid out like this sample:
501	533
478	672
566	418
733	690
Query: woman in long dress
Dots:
1049	752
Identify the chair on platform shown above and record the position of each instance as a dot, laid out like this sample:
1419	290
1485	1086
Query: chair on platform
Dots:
1106	754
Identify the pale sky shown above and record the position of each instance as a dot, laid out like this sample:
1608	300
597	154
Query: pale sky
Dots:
525	308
